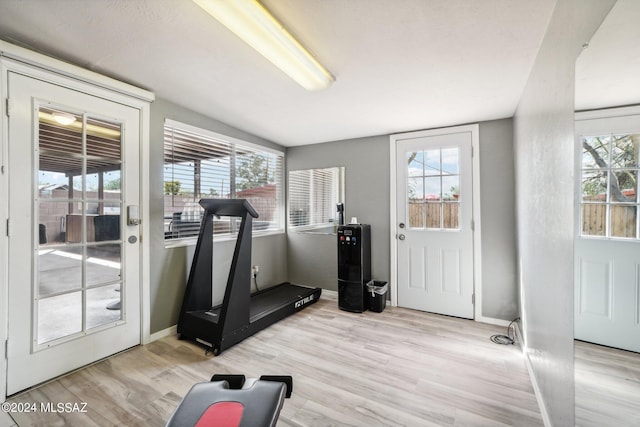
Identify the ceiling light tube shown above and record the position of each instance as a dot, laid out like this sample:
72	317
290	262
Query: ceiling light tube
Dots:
250	21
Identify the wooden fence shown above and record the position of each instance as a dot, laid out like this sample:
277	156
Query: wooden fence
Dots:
594	220
429	215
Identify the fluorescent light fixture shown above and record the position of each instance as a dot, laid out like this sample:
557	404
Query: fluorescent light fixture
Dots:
250	21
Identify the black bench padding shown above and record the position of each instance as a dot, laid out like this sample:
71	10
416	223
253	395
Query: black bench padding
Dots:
235	381
262	402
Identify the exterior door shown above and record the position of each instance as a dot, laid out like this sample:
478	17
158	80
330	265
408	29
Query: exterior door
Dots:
434	230
74	293
607	244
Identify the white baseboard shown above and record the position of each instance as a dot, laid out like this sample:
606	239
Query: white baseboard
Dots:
493	321
172	330
534	382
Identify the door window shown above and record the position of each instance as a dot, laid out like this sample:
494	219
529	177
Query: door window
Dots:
77	217
433	189
609	186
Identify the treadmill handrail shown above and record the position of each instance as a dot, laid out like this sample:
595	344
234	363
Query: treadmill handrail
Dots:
228	207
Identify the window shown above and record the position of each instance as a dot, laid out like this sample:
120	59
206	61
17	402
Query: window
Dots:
313	196
609	182
433	180
202	164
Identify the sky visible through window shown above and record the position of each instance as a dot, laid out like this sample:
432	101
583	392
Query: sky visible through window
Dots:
433	171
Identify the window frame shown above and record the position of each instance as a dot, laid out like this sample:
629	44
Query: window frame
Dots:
339	198
233	143
607	202
442	199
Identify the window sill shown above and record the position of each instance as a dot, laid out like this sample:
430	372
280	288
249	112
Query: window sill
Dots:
610	238
328	230
191	241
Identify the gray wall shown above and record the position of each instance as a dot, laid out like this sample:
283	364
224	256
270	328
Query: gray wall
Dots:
170	266
497	212
543	130
312	258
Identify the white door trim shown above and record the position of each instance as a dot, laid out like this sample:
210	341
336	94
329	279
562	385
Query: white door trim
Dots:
608	113
477	257
24	61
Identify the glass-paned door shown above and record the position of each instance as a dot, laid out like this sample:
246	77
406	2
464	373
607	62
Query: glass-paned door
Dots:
73	270
607	238
434	190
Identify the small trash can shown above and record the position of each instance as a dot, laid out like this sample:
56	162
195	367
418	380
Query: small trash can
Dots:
377	294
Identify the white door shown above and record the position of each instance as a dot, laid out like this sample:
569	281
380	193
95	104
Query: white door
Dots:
607	244
434	230
74	294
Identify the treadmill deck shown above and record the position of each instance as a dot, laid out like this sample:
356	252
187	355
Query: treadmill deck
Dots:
266	301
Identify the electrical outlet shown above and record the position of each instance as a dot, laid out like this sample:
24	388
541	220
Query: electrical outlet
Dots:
255	269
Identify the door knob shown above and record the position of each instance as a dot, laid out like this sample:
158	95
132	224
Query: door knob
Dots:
401	237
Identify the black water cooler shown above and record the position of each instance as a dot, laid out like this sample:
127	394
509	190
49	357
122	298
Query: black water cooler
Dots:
354	266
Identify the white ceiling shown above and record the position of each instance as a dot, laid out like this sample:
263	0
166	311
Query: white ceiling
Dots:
399	65
608	71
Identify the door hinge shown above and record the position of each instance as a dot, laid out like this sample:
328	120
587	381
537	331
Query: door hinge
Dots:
8	227
6	349
473	298
473	225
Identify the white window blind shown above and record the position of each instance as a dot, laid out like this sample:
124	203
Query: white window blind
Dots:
201	164
313	195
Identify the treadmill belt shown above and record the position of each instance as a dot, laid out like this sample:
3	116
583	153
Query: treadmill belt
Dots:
270	299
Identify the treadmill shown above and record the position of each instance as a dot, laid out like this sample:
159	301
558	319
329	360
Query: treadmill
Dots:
241	314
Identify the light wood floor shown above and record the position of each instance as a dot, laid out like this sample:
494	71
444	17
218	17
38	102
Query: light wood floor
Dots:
607	386
399	367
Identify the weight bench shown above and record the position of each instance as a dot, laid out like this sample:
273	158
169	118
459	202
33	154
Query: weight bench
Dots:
232	401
